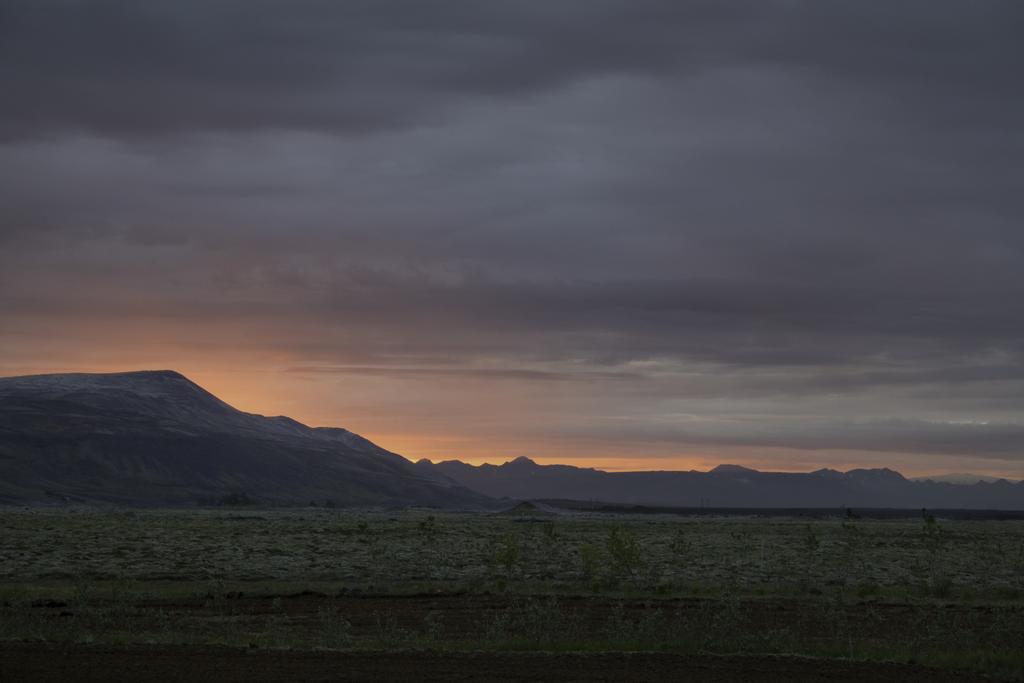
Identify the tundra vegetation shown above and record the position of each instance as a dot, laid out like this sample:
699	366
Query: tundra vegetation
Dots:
947	594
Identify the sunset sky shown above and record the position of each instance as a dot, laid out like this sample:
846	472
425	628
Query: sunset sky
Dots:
613	233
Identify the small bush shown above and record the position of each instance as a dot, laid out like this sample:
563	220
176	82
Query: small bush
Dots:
625	553
509	553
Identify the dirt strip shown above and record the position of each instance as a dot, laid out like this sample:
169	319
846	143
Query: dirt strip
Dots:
51	662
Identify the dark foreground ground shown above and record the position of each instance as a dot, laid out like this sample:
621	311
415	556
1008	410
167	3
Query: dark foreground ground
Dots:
323	594
47	662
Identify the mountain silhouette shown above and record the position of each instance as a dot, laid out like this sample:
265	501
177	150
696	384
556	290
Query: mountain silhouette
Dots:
156	438
729	486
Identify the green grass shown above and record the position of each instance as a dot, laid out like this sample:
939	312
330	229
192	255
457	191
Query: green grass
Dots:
949	594
893	559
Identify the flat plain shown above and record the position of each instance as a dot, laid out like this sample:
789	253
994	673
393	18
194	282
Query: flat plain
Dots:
414	594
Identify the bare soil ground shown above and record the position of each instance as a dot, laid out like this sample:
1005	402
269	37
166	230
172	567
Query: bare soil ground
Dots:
461	617
48	662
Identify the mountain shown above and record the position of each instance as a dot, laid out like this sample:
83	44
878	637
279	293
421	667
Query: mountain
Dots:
156	438
729	486
958	478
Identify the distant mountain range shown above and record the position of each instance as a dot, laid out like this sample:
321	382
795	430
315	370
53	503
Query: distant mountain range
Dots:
729	486
156	438
960	478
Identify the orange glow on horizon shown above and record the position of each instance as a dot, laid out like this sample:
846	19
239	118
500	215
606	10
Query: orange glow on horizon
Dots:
418	425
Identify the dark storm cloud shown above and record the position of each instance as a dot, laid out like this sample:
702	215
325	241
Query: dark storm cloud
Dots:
139	68
721	204
143	68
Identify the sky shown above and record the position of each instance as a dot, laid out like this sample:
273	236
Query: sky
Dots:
613	233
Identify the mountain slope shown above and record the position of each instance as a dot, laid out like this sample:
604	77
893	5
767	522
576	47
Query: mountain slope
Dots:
729	486
156	438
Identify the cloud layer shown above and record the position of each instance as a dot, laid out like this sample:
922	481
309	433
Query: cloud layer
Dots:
666	229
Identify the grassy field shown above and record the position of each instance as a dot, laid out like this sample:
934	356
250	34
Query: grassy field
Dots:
928	592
